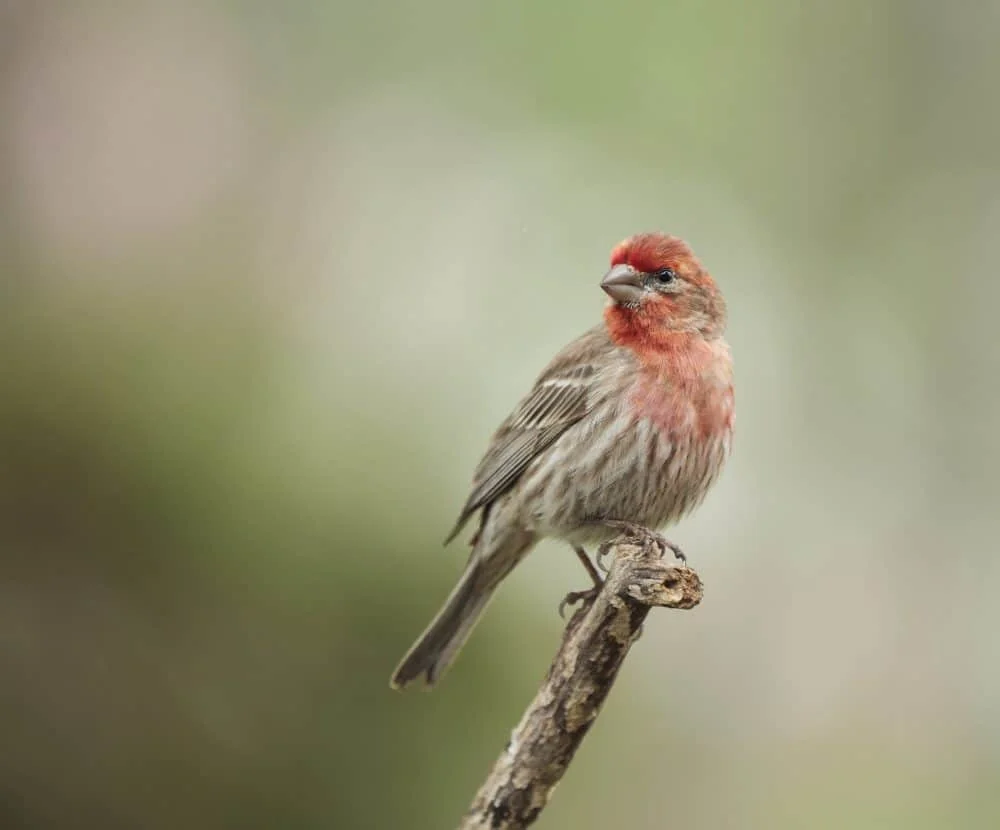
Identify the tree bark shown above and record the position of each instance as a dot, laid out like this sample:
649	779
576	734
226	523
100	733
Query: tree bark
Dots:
594	645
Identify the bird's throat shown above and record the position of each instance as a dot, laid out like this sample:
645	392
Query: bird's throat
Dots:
649	336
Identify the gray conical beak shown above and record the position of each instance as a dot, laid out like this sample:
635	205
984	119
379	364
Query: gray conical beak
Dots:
623	284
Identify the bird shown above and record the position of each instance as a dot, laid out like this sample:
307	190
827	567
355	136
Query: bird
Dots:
628	426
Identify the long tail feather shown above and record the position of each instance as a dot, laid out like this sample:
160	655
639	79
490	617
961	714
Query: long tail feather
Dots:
440	643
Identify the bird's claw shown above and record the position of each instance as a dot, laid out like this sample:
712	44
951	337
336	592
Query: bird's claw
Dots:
645	536
573	597
600	556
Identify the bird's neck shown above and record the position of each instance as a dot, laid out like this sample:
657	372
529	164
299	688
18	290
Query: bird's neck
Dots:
660	346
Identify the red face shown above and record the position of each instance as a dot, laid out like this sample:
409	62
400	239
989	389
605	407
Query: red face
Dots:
657	278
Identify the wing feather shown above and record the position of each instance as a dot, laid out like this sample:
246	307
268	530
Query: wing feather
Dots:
561	396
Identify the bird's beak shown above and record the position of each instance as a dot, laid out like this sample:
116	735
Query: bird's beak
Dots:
623	284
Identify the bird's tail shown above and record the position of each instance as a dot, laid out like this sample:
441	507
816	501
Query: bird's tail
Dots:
435	649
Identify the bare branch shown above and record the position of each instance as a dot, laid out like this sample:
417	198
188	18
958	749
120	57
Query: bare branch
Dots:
594	645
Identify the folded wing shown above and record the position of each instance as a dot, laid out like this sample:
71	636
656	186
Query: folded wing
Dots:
563	394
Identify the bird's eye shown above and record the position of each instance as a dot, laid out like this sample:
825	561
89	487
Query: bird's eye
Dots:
665	275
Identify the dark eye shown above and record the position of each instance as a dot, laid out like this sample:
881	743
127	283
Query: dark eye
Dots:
665	275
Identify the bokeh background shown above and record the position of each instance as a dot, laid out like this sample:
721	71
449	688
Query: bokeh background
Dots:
270	274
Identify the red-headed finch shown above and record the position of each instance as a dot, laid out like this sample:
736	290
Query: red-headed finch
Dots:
630	423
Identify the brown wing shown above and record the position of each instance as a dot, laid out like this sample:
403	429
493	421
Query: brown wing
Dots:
561	396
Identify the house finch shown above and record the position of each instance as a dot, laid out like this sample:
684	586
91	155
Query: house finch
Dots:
629	425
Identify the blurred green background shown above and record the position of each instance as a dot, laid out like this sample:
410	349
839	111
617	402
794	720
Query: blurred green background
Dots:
270	274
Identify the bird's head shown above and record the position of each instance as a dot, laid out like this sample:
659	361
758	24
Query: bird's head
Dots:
656	284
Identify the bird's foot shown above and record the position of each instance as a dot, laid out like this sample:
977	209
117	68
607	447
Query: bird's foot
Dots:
645	536
573	597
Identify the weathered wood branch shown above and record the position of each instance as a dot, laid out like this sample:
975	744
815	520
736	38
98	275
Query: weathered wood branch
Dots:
594	645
